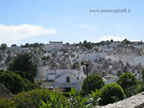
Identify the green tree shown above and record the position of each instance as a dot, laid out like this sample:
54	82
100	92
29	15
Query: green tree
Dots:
93	82
23	63
87	45
126	42
14	82
3	46
128	82
111	93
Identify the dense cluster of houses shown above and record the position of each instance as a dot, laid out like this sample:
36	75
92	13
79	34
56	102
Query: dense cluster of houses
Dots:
60	65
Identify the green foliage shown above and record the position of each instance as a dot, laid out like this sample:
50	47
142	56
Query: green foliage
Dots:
111	93
35	99
125	42
45	58
94	82
77	101
23	63
87	45
54	102
95	96
5	103
140	87
35	45
25	75
128	82
14	82
143	75
3	46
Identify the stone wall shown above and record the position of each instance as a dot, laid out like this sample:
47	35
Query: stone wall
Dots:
136	101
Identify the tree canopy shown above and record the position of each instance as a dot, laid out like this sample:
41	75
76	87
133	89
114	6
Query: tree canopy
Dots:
94	82
111	93
14	82
23	63
3	46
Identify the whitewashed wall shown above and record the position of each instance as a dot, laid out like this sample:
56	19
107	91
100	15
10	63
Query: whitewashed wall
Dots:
131	59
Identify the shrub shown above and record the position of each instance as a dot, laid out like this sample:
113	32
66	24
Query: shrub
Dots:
128	82
94	82
95	97
142	74
5	103
14	82
34	98
111	93
77	101
140	87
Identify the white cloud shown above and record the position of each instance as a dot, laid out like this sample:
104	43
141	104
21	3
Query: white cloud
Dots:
88	27
12	33
109	37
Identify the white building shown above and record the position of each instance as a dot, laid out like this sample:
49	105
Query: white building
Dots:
131	59
90	56
53	46
110	79
64	79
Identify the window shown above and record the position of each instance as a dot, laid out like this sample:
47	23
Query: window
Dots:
68	79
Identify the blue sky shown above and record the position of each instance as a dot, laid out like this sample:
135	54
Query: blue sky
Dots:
23	21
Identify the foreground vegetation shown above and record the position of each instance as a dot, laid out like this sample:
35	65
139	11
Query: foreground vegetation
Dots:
44	98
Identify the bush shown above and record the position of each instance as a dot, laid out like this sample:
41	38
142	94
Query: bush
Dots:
94	82
140	87
34	98
142	74
128	82
111	93
5	103
77	101
14	82
95	97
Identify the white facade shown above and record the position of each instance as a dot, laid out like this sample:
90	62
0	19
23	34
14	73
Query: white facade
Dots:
91	56
53	46
110	79
65	78
131	59
139	46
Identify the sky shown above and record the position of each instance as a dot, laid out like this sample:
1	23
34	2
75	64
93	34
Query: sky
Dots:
30	21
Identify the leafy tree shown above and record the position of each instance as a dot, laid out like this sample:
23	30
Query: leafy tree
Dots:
14	82
87	45
23	63
128	82
111	93
126	42
25	75
3	46
93	82
35	45
111	40
13	45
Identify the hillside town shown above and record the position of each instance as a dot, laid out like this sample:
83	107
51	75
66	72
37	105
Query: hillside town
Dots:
63	65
